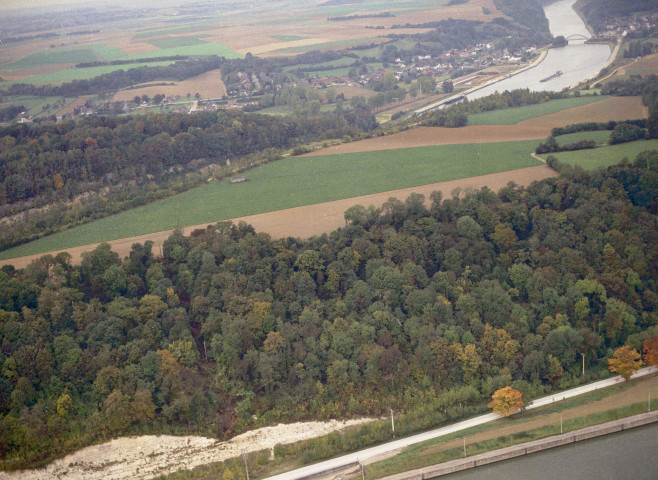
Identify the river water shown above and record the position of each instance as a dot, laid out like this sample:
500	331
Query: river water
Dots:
577	60
625	455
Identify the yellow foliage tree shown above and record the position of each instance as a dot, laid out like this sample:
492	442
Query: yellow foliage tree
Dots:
64	404
506	401
625	361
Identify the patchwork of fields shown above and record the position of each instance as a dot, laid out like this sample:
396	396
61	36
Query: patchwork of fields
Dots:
295	182
419	159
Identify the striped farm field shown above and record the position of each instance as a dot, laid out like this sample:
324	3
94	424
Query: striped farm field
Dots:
295	182
511	116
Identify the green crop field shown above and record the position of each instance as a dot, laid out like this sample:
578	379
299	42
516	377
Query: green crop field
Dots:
339	62
41	106
69	74
156	32
338	43
510	116
175	42
287	38
54	56
295	182
336	72
205	48
604	156
599	136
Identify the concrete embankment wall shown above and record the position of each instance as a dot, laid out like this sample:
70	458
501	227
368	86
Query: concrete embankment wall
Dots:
526	448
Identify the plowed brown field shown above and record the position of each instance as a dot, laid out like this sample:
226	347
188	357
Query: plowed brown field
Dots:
612	108
208	85
316	219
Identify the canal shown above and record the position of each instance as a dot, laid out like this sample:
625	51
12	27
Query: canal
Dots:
578	60
632	454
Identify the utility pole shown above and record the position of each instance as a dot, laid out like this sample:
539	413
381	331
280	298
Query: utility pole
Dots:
392	423
582	354
464	447
246	467
560	423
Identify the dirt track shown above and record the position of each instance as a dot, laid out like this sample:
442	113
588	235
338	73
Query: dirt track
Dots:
316	219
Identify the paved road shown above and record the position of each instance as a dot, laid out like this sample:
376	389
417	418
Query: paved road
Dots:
405	442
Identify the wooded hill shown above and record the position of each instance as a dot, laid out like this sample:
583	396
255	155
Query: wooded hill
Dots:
231	329
137	159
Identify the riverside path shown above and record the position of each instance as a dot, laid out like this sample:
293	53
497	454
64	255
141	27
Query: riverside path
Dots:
360	456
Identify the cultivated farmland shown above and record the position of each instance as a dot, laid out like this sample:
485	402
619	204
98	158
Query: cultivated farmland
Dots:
295	182
606	155
613	108
510	116
308	220
208	85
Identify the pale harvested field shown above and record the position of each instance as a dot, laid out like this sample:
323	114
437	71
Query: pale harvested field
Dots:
426	136
208	85
78	102
19	73
270	46
612	108
149	456
257	38
350	92
648	62
304	222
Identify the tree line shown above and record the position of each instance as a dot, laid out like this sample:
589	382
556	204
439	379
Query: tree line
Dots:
410	306
137	159
118	79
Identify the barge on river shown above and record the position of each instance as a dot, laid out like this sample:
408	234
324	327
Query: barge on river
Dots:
555	75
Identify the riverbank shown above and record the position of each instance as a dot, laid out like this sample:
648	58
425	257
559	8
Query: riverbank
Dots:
493	81
527	448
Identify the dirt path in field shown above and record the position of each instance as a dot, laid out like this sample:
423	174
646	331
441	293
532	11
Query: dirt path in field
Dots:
149	456
635	394
315	219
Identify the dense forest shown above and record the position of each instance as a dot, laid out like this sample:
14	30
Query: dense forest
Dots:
130	158
231	329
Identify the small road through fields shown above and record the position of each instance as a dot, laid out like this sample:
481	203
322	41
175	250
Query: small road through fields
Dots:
362	455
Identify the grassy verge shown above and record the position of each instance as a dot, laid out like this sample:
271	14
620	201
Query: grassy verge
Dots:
263	464
510	116
604	156
443	449
382	469
296	182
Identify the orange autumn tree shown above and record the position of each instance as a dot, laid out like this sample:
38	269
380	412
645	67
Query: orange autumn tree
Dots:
506	401
625	361
650	350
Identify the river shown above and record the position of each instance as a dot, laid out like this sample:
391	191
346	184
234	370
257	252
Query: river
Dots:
578	60
630	454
